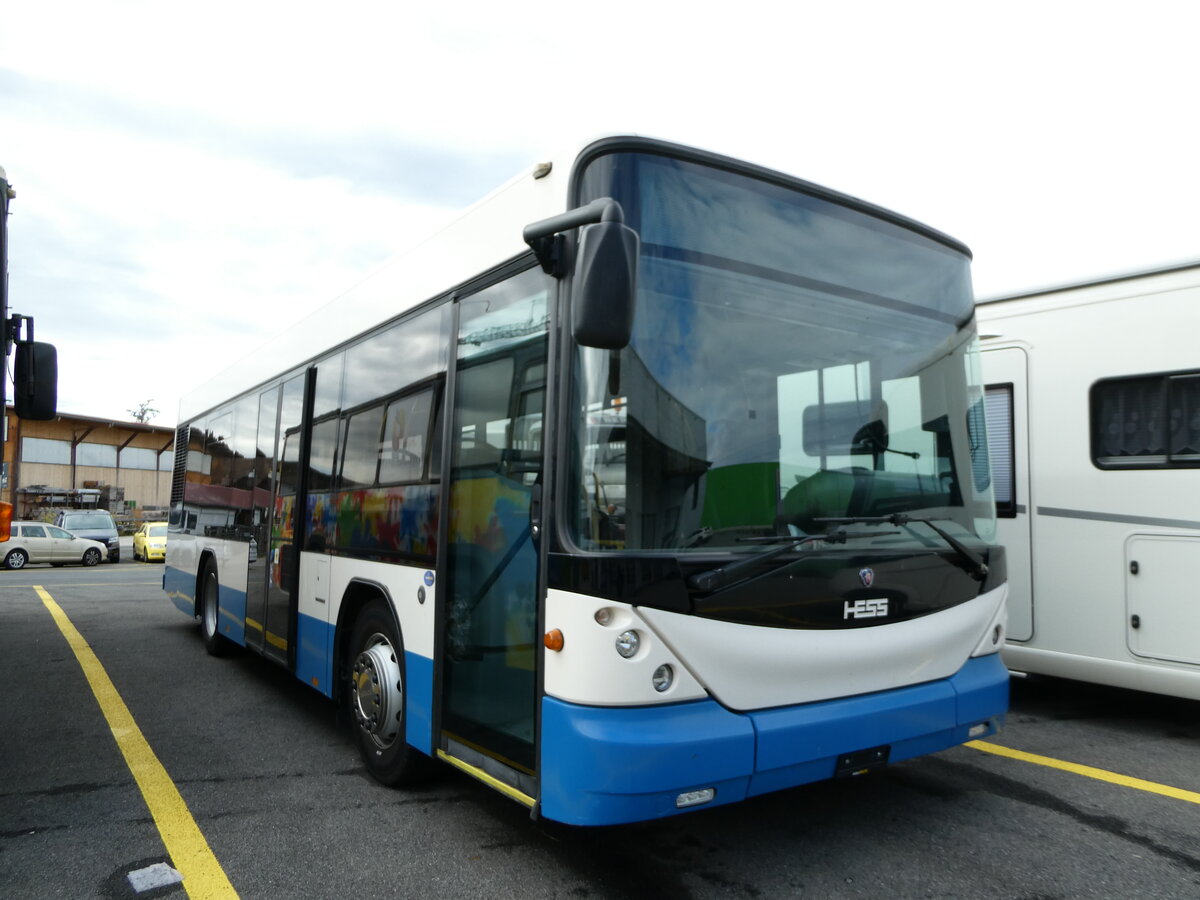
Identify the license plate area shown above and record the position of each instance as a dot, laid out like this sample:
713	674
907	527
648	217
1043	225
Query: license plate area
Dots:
860	762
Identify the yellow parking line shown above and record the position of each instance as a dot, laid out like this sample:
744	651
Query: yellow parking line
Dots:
189	851
1088	771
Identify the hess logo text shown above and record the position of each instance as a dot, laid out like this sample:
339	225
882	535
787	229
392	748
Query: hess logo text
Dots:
865	609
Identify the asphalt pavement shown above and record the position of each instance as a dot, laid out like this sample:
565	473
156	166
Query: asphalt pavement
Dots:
269	775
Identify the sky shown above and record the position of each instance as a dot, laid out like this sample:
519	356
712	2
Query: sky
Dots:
192	179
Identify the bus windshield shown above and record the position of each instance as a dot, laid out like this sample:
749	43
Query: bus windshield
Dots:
794	360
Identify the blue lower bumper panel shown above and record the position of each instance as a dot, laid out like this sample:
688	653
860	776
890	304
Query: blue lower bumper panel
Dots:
608	765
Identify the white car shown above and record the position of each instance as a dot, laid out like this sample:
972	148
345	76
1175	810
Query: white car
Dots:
39	542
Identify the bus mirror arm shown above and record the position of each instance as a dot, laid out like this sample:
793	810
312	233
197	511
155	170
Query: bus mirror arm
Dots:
605	288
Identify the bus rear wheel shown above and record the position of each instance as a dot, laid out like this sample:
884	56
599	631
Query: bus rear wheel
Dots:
210	608
376	698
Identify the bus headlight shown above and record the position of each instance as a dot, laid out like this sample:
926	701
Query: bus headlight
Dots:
628	643
663	678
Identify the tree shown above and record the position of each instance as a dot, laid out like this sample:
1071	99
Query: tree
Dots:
144	412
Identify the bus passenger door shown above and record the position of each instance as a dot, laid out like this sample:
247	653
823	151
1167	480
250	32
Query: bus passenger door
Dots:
283	560
490	575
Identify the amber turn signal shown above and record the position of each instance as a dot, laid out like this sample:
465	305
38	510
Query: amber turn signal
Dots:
554	640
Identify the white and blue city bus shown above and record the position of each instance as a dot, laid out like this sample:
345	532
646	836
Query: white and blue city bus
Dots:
655	481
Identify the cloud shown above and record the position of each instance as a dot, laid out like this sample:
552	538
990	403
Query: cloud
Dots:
370	160
143	247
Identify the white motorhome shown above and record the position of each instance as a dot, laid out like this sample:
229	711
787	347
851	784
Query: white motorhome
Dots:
1093	404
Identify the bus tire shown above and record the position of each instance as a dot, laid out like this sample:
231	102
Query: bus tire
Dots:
210	611
376	694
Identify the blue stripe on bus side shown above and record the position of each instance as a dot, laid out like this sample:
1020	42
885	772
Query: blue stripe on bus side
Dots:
418	702
314	653
609	765
181	588
231	611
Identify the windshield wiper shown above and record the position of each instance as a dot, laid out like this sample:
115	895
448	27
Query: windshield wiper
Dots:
981	568
697	537
715	579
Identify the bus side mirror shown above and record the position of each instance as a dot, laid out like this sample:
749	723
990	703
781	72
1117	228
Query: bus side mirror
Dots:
605	288
35	381
606	266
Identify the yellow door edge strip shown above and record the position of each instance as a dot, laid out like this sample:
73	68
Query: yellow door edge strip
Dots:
1088	771
276	641
490	780
185	843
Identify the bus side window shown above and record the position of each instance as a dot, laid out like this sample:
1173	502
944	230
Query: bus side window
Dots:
360	458
323	455
405	432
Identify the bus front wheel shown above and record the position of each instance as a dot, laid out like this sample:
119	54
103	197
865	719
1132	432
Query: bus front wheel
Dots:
376	698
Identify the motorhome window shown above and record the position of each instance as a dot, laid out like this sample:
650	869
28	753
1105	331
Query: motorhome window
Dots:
1184	418
1146	422
998	409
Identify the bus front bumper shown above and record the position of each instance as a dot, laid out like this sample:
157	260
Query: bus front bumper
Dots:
610	765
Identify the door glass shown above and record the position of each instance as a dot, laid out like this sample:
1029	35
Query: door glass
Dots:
282	559
491	622
264	469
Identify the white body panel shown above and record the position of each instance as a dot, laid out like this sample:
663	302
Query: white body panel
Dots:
405	586
314	587
1079	528
588	669
747	667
